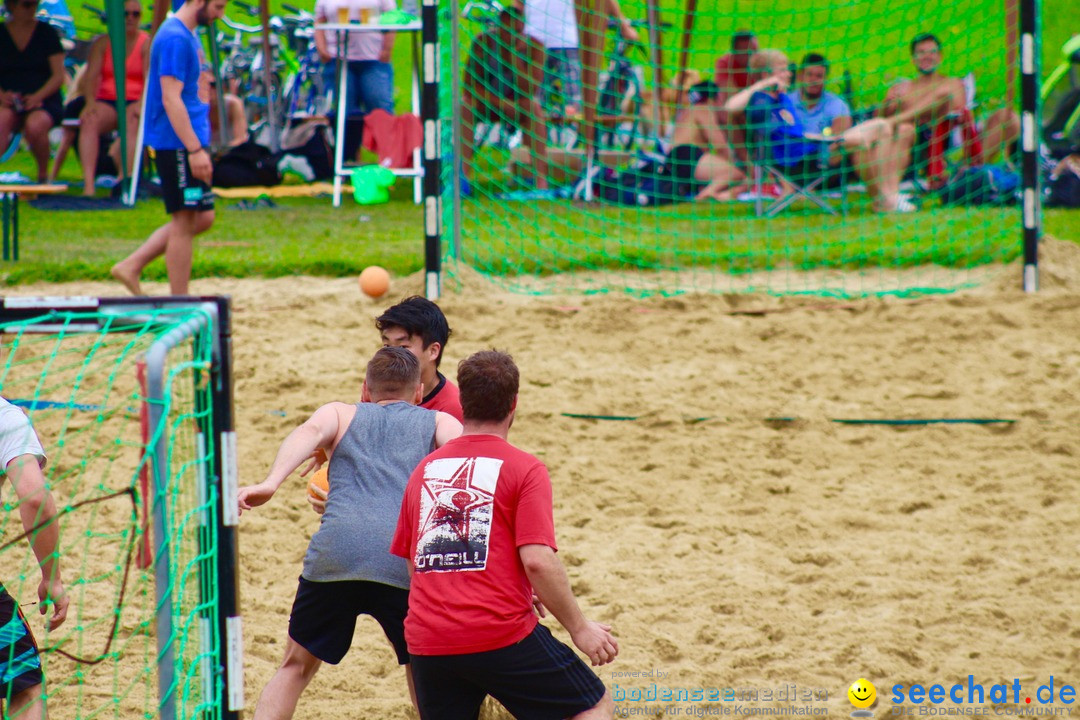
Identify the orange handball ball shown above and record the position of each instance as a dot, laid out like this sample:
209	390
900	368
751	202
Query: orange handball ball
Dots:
374	281
321	480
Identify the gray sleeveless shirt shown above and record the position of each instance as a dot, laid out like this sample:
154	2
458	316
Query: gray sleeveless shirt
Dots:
368	473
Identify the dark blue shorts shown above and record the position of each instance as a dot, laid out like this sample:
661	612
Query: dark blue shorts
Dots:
20	665
537	678
324	616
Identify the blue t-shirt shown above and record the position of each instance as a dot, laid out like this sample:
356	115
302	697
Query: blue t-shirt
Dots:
816	119
777	121
175	53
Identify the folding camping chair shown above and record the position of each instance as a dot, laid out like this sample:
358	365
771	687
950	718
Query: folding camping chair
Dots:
764	168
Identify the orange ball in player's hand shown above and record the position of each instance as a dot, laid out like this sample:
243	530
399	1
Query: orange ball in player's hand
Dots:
374	281
320	479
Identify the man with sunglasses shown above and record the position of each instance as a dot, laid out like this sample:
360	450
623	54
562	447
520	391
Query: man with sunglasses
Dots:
31	74
178	129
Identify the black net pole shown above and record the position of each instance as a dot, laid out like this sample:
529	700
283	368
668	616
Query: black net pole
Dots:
1030	123
429	118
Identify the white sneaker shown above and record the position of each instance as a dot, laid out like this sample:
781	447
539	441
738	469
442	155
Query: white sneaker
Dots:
904	204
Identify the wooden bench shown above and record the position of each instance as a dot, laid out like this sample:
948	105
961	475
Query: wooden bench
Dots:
9	194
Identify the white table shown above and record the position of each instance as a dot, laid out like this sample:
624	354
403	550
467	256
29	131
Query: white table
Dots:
341	168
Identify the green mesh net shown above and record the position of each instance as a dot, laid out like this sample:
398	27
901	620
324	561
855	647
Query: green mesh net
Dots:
782	147
81	380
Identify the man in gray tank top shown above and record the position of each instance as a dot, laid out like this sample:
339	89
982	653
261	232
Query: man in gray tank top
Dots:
348	571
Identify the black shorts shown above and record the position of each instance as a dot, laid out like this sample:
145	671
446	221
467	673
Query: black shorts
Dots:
324	616
537	678
179	189
53	105
810	168
20	663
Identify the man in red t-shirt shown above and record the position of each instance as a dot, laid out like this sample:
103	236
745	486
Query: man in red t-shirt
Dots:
419	326
733	75
476	526
733	69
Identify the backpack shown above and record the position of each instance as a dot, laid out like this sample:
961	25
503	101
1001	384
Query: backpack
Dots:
1064	191
246	165
982	185
315	141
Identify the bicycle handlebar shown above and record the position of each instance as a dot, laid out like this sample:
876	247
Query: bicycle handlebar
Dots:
247	7
240	27
290	8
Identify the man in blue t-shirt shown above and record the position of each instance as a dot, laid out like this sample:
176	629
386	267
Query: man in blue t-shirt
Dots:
178	129
821	113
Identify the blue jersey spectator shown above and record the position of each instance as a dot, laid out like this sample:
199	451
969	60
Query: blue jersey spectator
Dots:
775	118
175	53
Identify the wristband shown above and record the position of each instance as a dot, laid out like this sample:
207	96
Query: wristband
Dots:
196	152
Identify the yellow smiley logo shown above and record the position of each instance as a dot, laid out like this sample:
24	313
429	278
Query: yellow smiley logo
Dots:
862	693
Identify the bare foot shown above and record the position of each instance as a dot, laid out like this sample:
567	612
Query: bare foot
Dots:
127	278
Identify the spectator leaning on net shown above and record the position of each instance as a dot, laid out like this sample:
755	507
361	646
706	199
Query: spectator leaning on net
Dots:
31	74
500	86
99	114
554	24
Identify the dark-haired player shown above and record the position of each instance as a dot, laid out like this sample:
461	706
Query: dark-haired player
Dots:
419	326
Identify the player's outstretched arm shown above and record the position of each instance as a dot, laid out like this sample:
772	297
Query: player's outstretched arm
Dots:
549	581
37	510
318	432
447	428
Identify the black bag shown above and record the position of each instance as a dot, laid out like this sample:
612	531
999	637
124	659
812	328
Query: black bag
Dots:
983	185
246	165
1064	191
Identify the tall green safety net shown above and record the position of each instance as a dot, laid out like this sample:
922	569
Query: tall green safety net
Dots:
785	147
84	380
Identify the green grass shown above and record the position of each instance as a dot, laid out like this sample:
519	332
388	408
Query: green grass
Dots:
309	236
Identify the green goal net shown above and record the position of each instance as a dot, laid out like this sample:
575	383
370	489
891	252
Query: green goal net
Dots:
131	402
844	147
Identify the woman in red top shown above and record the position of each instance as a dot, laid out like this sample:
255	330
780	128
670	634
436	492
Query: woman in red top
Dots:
99	115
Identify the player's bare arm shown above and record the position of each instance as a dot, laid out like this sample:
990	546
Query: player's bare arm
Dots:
321	431
551	585
38	512
447	428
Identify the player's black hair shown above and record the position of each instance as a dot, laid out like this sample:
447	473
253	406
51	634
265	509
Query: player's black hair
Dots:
923	37
741	36
814	60
418	316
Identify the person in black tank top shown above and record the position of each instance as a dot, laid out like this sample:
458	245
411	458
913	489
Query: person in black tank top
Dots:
31	74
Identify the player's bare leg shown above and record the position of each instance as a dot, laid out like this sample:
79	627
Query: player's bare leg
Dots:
603	710
27	705
279	697
129	270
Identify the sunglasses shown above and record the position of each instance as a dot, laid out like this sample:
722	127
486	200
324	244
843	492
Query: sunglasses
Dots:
133	13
